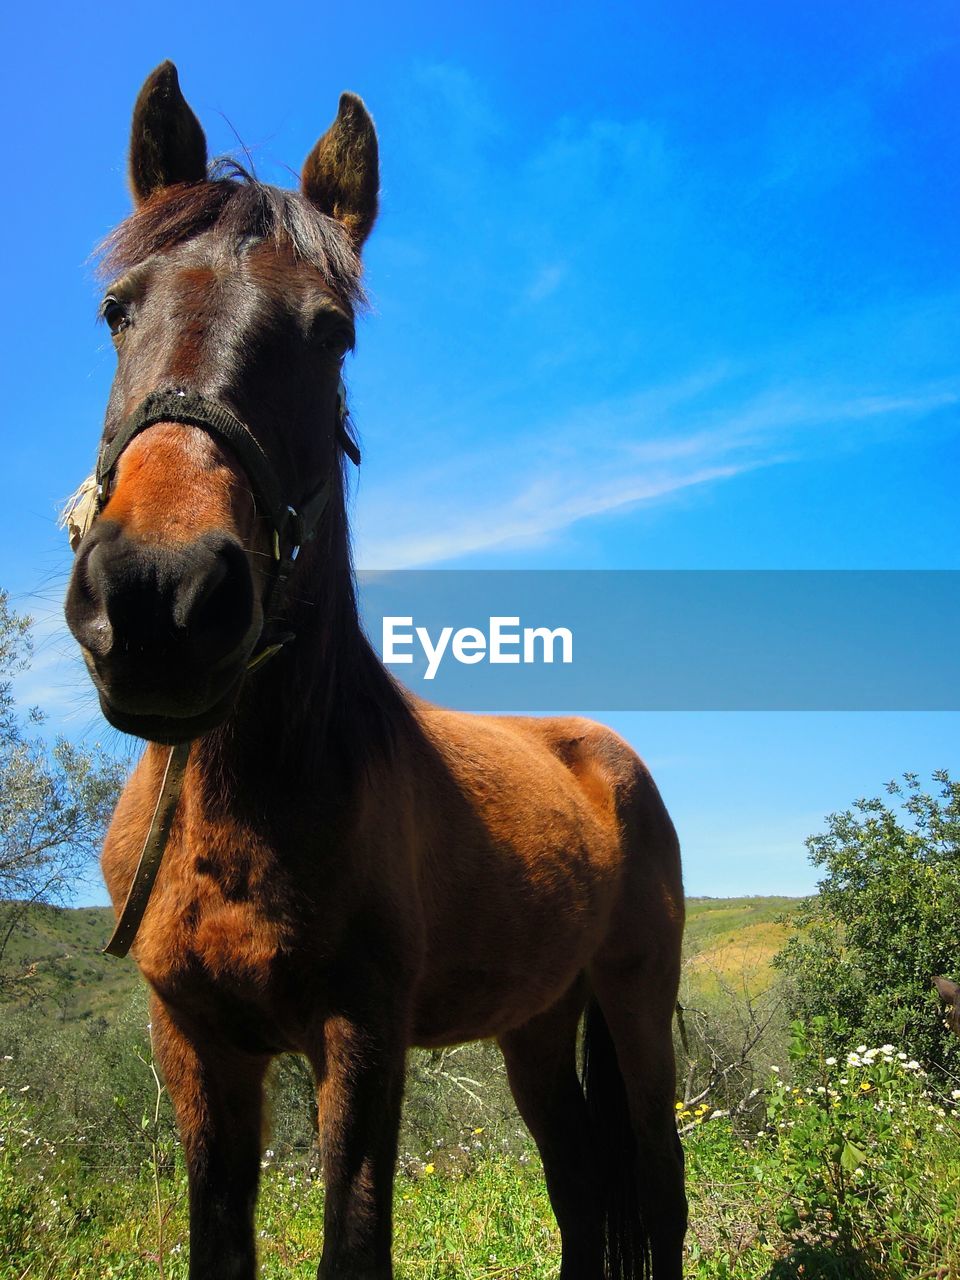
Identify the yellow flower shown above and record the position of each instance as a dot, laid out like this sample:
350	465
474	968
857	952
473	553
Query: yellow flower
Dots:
428	1168
479	1130
865	1086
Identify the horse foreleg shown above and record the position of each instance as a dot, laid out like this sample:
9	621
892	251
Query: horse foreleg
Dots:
360	1076
217	1095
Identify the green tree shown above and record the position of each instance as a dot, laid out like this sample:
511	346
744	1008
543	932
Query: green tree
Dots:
884	921
54	802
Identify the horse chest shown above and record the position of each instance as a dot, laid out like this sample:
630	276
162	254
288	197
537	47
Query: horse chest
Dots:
214	946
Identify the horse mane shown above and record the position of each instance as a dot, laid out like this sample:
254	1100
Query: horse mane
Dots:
236	204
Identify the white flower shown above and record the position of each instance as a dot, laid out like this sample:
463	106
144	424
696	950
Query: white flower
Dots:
831	1062
775	1070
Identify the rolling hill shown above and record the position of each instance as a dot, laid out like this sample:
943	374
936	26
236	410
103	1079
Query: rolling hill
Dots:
53	960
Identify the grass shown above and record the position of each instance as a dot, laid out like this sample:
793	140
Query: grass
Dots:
472	1205
494	1221
729	945
485	1215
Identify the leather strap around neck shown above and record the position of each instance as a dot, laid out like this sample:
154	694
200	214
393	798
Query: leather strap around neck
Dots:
151	855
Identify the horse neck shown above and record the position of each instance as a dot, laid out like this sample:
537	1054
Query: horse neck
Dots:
317	712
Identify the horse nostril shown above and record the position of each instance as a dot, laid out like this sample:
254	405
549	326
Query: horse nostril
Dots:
213	604
87	604
198	593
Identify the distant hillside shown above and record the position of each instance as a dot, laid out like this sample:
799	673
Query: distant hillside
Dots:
730	942
53	959
54	955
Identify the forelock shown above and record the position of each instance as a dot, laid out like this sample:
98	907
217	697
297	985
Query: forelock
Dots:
236	205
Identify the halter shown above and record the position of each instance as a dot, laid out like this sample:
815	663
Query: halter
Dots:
292	526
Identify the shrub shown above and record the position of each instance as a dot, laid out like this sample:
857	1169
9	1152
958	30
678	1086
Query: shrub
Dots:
866	1147
884	921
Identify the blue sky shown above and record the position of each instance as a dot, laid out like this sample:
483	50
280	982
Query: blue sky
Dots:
655	285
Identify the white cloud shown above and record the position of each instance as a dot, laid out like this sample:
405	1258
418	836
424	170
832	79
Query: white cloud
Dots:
609	458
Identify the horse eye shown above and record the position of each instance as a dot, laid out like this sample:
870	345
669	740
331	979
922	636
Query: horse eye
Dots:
338	344
115	314
332	335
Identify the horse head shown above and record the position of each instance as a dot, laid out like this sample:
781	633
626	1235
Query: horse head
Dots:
231	305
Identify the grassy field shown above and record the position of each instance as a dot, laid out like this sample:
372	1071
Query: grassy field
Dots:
54	958
764	1205
730	942
848	1172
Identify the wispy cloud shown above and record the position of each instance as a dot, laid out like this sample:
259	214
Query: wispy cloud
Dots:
610	458
588	253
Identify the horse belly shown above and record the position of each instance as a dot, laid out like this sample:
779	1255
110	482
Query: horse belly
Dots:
507	951
481	1004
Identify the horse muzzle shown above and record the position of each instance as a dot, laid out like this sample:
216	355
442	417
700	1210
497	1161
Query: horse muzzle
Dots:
166	631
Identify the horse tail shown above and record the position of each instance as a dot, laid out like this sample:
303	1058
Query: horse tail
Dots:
626	1232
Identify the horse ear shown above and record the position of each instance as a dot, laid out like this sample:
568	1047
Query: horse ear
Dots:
166	142
341	175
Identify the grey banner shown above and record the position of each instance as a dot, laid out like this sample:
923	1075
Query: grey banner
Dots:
658	640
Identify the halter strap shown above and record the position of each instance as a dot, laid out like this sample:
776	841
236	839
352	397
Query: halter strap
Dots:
128	922
194	410
292	526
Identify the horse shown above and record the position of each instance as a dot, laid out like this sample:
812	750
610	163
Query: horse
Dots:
949	993
349	871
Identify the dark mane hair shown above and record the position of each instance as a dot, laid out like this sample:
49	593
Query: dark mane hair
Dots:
234	203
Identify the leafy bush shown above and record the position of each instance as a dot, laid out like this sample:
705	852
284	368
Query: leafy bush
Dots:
854	1174
884	921
54	804
862	1143
88	1084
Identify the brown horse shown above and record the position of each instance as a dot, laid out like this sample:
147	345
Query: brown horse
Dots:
350	871
949	993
